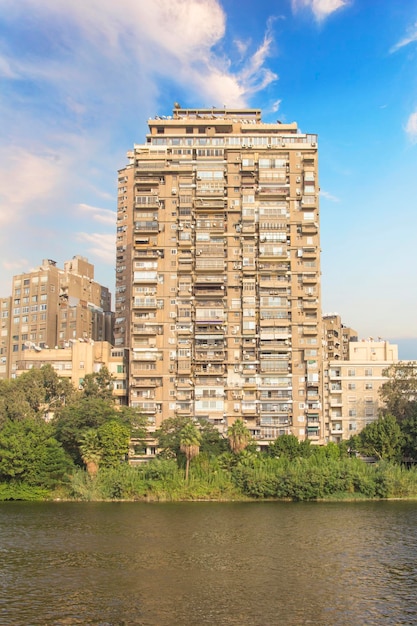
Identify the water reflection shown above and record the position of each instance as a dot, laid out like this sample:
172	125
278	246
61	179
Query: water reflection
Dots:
207	563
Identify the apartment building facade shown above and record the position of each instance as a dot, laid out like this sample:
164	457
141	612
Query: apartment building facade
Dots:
218	272
78	359
51	306
351	387
5	319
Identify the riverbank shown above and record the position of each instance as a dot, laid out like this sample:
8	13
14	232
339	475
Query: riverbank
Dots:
241	479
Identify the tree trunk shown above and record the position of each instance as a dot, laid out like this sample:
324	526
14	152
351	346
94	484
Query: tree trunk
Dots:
92	468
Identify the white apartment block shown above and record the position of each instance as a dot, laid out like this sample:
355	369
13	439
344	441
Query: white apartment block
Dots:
351	387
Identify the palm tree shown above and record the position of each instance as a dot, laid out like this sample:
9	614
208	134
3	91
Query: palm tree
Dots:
90	450
190	439
238	436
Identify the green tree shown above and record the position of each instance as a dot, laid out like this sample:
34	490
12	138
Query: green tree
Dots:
90	449
99	385
114	442
399	392
29	453
190	439
286	446
75	418
35	392
382	438
409	431
238	436
169	434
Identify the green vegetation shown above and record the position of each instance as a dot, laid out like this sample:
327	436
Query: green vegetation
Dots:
81	452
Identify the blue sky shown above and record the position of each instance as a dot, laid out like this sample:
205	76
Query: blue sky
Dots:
80	78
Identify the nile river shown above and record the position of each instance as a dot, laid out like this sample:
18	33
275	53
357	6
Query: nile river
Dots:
114	564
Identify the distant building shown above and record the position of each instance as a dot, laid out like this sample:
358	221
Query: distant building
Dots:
336	337
351	387
51	306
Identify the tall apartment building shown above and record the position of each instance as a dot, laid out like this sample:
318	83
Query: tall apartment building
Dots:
218	272
51	306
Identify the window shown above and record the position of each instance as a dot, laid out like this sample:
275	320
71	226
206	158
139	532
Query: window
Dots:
369	386
368	371
351	372
352	386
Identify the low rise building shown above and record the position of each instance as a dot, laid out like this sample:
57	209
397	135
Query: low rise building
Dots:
351	387
79	359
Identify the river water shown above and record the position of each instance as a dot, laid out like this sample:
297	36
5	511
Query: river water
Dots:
123	564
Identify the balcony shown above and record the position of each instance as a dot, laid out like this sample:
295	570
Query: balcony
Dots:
145	382
144	303
205	355
309	278
146	329
146	227
274	190
139	354
148	253
310	304
310	330
209	204
147	408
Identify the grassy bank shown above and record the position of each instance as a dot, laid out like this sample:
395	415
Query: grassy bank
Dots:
228	478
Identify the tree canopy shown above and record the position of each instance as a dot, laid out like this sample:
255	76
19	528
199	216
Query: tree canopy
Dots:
382	439
399	392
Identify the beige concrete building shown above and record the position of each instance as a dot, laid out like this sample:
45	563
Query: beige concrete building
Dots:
351	387
50	306
79	359
336	337
218	272
5	318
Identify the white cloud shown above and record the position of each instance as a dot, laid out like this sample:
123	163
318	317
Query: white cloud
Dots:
26	179
106	216
410	38
172	38
411	127
320	8
276	105
6	69
100	246
16	265
329	196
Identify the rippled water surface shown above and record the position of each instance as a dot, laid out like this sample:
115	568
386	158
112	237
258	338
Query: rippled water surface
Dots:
208	563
